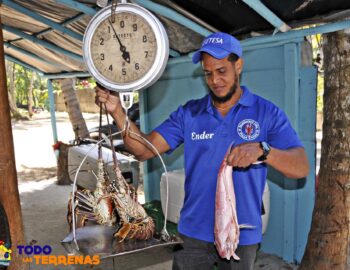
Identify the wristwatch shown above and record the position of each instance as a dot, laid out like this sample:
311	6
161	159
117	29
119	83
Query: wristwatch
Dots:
266	150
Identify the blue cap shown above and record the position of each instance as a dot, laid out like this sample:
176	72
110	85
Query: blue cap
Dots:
218	45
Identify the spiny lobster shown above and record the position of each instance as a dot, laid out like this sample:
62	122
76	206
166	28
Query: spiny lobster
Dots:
112	203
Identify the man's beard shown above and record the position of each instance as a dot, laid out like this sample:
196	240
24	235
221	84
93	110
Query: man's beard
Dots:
228	95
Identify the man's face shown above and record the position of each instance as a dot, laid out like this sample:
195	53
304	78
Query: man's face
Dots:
222	76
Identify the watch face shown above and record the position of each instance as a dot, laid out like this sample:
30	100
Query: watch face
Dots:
124	50
266	150
264	146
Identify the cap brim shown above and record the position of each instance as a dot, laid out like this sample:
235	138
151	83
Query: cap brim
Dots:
215	52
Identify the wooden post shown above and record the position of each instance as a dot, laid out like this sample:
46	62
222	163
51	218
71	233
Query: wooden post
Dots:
9	196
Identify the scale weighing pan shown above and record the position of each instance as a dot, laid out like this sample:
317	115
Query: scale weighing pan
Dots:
99	240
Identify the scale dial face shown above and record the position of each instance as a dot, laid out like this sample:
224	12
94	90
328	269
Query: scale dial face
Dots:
106	53
128	53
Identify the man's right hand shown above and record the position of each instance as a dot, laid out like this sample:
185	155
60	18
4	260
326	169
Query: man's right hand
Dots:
141	150
111	99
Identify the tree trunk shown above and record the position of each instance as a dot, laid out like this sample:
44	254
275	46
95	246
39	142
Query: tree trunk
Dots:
10	68
30	94
73	109
10	72
79	128
63	177
329	238
9	196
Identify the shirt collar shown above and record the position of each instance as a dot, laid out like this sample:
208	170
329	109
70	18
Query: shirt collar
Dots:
248	98
209	105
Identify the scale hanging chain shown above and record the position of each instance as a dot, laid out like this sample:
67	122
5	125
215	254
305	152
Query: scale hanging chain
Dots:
100	133
114	155
113	8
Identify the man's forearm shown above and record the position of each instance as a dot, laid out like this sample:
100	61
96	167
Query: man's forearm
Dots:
135	140
292	163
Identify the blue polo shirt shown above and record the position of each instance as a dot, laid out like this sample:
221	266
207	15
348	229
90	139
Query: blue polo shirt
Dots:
207	136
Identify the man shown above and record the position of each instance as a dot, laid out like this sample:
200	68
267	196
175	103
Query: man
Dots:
230	113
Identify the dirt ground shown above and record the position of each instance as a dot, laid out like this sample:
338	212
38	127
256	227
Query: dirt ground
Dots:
44	204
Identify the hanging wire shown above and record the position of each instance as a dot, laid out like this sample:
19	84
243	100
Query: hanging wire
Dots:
164	233
126	100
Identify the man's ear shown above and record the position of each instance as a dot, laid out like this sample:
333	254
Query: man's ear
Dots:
239	65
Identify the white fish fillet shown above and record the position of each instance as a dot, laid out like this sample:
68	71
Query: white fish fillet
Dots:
226	229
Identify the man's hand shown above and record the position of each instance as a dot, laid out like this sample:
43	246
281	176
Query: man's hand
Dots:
244	155
111	99
291	163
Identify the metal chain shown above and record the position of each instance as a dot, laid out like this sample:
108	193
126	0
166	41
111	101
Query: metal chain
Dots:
113	8
100	133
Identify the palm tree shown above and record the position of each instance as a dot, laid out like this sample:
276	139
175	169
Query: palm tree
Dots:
329	238
73	109
10	70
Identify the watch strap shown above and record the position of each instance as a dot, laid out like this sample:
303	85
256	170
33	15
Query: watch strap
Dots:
266	150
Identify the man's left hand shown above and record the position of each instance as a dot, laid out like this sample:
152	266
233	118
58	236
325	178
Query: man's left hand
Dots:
244	155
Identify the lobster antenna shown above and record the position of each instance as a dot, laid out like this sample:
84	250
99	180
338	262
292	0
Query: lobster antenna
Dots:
74	188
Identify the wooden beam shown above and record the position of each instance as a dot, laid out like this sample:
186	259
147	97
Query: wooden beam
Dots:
267	14
41	42
42	19
78	6
9	196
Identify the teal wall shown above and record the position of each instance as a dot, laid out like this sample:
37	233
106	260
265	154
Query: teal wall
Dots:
275	73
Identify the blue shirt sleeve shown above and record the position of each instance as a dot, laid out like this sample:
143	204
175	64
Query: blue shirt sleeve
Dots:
172	129
281	133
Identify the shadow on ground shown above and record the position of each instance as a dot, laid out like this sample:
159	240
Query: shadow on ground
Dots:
36	173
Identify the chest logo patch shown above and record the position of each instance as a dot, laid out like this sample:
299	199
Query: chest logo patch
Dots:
248	129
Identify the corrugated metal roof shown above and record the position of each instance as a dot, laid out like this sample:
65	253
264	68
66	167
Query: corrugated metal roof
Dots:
28	38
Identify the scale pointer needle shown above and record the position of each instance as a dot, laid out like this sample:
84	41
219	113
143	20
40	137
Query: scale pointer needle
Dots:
125	53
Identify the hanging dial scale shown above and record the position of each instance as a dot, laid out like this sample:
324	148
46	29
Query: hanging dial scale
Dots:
125	47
